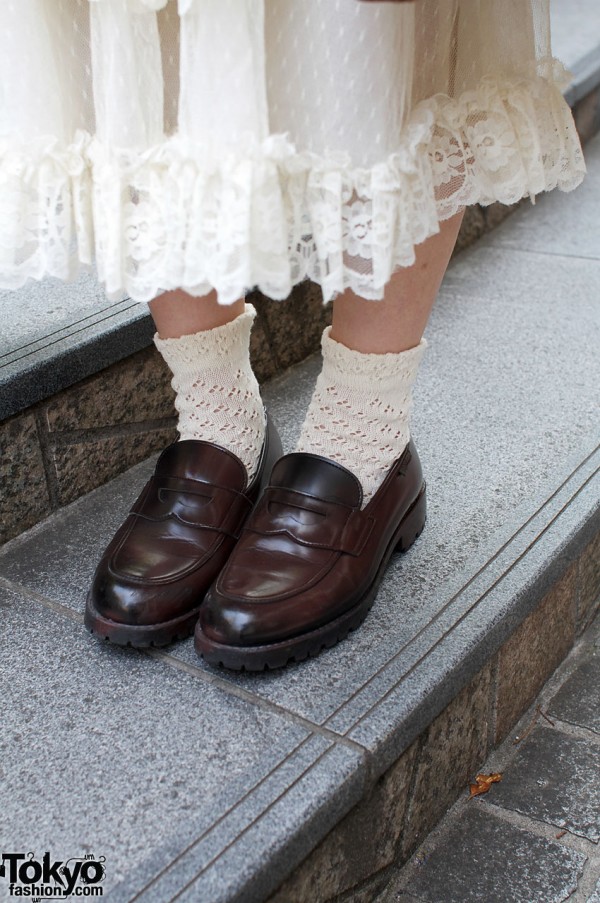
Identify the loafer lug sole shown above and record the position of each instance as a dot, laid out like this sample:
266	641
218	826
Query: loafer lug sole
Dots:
139	636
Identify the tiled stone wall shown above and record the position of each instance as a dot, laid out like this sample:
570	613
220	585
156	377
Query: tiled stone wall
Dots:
355	861
56	451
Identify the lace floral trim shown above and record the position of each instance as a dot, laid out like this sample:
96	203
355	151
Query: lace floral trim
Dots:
177	215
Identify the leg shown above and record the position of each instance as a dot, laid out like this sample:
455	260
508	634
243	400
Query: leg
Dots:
176	313
150	582
359	413
206	345
306	570
398	321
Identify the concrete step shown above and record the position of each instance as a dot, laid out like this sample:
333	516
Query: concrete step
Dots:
301	785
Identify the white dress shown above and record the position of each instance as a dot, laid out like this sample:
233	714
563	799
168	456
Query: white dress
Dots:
241	143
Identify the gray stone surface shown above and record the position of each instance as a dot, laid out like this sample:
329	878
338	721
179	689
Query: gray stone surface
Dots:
242	857
75	350
110	752
555	778
132	391
481	859
452	750
61	554
589	590
558	784
595	898
362	844
587	110
578	700
81	466
40	308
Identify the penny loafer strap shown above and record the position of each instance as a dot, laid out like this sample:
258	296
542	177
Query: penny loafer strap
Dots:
196	504
311	521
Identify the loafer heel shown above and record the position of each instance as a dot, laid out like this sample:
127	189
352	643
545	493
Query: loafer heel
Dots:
413	524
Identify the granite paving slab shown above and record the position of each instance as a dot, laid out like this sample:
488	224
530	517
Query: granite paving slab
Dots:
70	350
578	700
482	858
112	753
40	308
555	778
579	48
595	898
245	856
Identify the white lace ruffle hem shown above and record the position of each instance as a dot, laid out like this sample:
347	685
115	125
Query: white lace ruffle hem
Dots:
180	215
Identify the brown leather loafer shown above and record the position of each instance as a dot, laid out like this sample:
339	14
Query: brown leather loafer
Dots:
150	583
309	562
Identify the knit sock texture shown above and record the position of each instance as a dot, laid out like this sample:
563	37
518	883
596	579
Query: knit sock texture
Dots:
360	409
218	397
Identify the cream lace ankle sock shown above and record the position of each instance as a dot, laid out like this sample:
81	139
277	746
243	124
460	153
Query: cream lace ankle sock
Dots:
359	412
218	398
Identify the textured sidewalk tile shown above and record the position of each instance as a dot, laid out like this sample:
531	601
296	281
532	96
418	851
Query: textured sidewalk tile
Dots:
246	853
110	752
571	42
401	898
555	778
595	898
257	861
58	556
82	466
130	391
482	859
29	307
578	700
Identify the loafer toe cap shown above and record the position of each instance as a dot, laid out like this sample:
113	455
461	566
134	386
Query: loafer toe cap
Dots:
125	602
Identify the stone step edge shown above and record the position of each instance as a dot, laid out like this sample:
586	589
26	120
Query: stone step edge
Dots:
541	574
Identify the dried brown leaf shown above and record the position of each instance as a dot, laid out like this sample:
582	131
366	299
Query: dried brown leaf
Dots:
483	782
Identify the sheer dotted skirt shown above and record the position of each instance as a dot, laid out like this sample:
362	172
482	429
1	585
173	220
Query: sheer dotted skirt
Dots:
230	144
